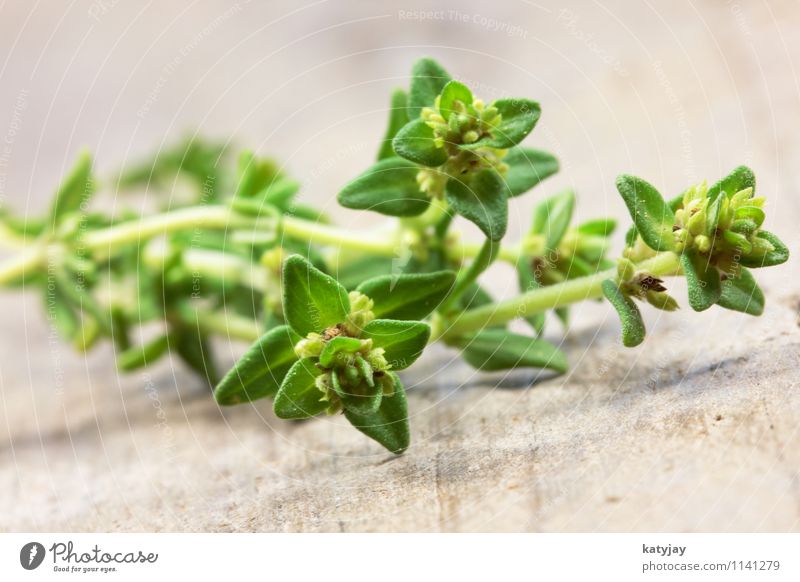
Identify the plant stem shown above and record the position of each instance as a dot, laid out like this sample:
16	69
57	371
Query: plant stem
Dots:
315	232
229	325
468	276
550	297
29	260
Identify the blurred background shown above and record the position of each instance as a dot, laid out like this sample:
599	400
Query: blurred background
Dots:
675	93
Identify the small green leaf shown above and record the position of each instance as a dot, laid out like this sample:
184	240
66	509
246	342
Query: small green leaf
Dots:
403	341
312	300
552	217
428	78
526	168
742	293
452	92
336	345
260	371
527	282
651	215
195	351
496	349
600	227
779	255
633	331
144	355
398	117
255	174
362	399
702	280
481	198
280	193
407	297
389	187
739	179
753	213
389	424
519	117
415	142
60	313
298	397
76	189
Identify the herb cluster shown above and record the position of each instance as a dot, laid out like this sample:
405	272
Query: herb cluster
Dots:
333	315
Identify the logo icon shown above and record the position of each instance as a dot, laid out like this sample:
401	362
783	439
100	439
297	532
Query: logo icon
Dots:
31	555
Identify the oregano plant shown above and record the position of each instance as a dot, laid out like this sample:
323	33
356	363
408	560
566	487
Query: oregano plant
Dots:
334	315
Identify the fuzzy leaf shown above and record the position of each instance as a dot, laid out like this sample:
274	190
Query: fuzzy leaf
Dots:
742	293
496	349
298	397
76	189
389	424
633	331
415	143
702	280
260	371
398	117
336	345
519	117
452	92
651	215
481	198
552	217
775	257
428	79
389	187
312	300
407	297
403	341
739	179
526	168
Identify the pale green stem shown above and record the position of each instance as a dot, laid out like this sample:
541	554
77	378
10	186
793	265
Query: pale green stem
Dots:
28	261
221	323
226	267
550	297
315	232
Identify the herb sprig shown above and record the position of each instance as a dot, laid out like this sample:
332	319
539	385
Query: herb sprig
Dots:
332	314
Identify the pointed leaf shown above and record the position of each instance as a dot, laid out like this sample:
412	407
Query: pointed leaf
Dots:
260	371
481	198
526	168
702	280
428	78
496	349
739	179
398	117
298	397
407	297
195	351
519	117
389	187
76	189
600	227
415	142
452	92
779	255
552	217
389	424
403	341
742	293
312	300
651	215
633	331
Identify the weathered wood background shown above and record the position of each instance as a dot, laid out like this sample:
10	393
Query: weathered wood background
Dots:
695	430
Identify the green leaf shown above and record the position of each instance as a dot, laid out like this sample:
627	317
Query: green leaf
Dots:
398	117
389	187
76	189
552	217
361	399
255	174
452	92
407	297
144	355
742	293
280	193
389	424
481	198
415	142
428	79
195	351
336	345
651	215
519	117
60	313
633	331
739	179
599	227
702	279
496	349
775	257
312	300
526	168
260	371
403	341
298	397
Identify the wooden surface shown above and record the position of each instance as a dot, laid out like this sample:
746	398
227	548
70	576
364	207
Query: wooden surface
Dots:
696	430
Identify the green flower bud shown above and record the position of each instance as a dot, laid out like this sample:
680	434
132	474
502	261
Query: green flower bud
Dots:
662	301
